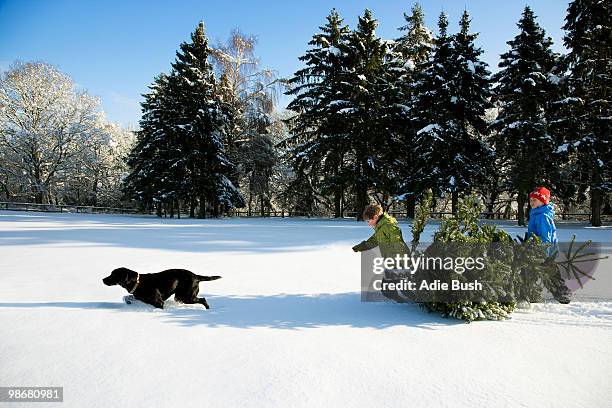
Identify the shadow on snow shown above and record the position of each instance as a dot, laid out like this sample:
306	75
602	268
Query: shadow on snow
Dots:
275	311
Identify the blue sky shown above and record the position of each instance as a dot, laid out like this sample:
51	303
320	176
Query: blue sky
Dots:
115	48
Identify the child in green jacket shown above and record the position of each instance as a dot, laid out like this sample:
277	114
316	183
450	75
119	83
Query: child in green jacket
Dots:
387	236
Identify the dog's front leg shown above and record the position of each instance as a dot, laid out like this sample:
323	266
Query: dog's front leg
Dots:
155	299
158	302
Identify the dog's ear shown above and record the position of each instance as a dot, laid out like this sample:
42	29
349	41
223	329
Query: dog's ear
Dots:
125	274
122	273
118	276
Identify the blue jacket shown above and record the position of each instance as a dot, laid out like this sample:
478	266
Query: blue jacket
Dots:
541	223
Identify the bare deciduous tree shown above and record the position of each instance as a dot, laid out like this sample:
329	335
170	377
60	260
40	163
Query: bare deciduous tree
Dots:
52	137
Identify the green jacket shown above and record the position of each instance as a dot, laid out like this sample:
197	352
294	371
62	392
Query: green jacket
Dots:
387	236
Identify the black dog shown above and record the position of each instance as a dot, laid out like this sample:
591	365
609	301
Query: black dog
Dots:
155	288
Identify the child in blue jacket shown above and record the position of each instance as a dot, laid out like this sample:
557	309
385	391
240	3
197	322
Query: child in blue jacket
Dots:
542	224
541	216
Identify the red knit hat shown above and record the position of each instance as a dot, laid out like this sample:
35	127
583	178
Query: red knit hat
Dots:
540	193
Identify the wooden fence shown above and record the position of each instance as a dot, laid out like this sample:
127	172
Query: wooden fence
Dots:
12	206
88	209
499	215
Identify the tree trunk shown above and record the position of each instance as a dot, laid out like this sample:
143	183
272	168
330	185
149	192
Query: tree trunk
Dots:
410	206
434	205
490	209
566	206
385	202
338	203
527	211
596	199
491	205
520	200
362	202
454	202
202	210
262	209
191	208
95	191
5	185
38	182
508	210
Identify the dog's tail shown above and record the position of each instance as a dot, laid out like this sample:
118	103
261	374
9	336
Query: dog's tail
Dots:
201	278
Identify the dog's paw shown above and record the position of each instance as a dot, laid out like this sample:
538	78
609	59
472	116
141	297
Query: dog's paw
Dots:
129	299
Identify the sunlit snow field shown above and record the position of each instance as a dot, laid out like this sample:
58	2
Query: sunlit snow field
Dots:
286	327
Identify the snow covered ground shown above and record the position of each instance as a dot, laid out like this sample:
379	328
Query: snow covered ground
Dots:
286	327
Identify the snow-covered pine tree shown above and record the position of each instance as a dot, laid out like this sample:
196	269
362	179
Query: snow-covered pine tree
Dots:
470	156
373	112
584	112
415	46
495	185
523	93
452	97
319	142
393	152
432	111
199	126
416	43
147	175
350	115
176	182
233	108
